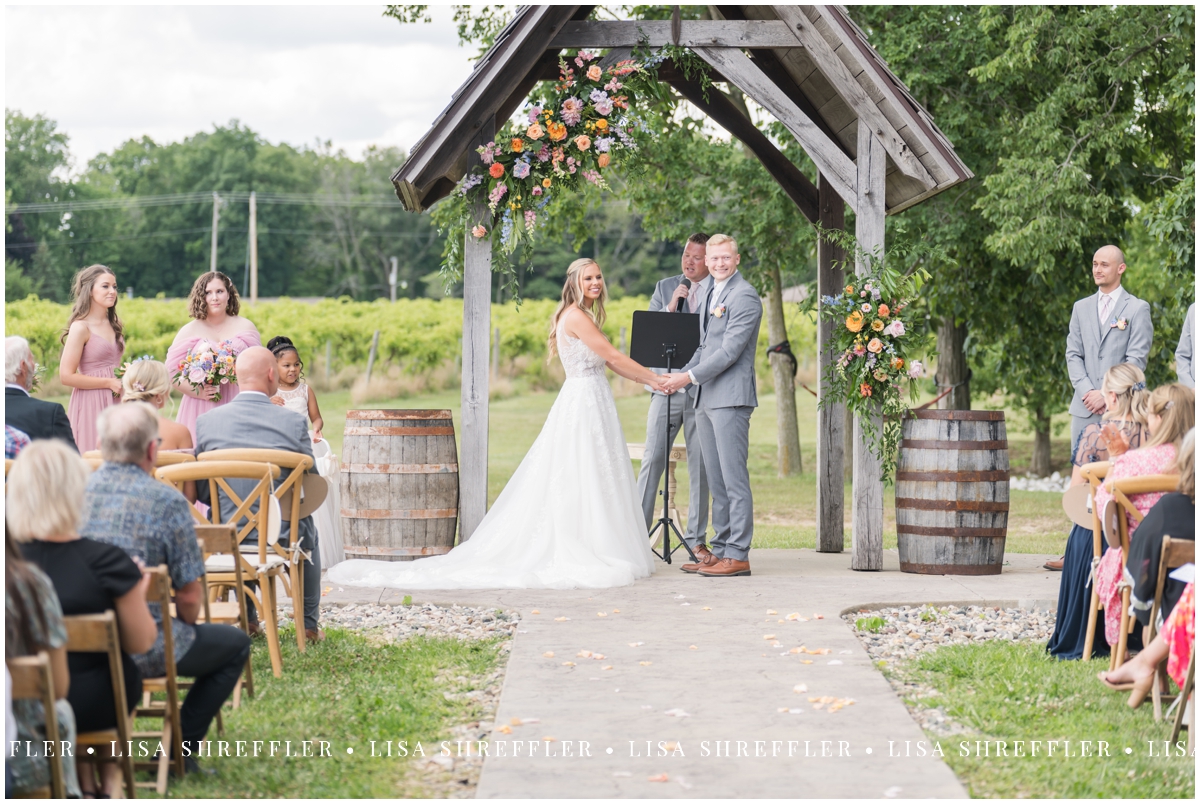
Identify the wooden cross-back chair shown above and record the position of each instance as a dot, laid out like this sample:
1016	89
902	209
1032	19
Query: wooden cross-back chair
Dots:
1175	553
289	508
1094	474
97	633
218	540
33	680
1122	489
170	735
252	513
163	458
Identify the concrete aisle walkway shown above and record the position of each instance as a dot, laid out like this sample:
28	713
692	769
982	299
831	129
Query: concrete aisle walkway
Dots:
684	644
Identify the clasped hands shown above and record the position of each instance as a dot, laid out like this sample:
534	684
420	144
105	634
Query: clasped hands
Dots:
670	383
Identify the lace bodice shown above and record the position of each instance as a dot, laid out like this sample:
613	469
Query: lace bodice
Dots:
1093	446
296	399
577	359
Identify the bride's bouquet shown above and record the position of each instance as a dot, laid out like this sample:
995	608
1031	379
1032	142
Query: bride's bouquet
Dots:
208	364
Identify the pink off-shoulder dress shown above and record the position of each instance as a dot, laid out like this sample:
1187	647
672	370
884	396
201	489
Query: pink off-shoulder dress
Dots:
191	408
99	359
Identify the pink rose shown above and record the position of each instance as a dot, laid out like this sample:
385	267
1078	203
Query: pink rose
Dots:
915	369
196	376
895	329
594	72
583	142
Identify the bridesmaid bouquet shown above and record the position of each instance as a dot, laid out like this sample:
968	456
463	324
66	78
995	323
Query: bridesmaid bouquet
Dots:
206	364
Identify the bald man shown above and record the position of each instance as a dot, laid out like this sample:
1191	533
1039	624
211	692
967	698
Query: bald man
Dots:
250	421
1107	329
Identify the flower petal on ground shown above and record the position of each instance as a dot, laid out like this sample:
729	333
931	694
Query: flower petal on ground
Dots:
676	713
662	777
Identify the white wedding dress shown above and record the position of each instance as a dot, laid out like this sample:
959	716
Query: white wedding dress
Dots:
569	517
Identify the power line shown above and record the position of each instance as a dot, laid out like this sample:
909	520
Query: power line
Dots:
261	233
177	199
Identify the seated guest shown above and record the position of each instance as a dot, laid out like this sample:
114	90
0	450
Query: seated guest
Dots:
1175	643
250	421
35	418
14	442
1170	413
33	622
1174	515
89	577
148	381
1125	397
126	506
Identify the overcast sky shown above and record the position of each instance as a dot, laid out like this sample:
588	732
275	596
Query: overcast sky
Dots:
295	74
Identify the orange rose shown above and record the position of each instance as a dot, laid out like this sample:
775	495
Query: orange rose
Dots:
594	72
864	390
897	363
877	325
855	321
535	132
546	182
583	142
883	311
496	170
602	124
558	132
875	345
849	290
517	145
603	160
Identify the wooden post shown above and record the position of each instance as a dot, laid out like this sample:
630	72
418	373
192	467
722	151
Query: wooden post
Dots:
371	357
477	320
831	482
328	360
867	539
253	248
212	263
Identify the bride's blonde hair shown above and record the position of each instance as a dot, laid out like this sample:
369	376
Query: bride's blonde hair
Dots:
572	295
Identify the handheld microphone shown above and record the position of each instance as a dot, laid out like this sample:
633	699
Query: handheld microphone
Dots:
687	283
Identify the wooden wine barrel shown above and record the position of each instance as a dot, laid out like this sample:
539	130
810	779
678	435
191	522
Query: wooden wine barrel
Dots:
399	484
952	492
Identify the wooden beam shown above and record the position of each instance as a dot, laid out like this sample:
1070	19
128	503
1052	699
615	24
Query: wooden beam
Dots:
831	417
657	33
825	154
768	61
853	94
477	327
870	216
722	111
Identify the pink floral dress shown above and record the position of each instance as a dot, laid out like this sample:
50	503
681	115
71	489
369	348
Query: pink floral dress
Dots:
1180	633
1155	460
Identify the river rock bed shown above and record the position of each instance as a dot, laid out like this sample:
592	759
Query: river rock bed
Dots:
398	623
893	636
1055	483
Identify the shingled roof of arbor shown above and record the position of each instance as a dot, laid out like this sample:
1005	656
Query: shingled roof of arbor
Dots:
830	72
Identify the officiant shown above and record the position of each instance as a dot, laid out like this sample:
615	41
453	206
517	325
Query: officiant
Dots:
680	293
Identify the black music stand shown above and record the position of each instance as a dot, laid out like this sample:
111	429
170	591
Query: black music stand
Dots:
668	341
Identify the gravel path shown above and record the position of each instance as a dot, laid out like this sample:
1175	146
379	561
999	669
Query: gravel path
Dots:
896	635
437	776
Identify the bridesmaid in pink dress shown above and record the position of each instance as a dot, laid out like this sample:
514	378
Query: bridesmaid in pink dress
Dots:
93	344
214	306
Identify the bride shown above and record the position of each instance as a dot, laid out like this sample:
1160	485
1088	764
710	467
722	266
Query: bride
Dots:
570	516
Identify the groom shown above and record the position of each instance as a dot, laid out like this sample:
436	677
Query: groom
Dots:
723	370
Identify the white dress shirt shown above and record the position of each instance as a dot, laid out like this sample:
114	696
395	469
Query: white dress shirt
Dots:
1106	314
20	388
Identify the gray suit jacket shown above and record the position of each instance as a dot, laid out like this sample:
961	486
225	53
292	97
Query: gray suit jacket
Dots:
250	421
1183	352
724	364
1093	349
658	304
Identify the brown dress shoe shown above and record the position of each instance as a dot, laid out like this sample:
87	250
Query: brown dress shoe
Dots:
726	567
314	635
1055	564
704	559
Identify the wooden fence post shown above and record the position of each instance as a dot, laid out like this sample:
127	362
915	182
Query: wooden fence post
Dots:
831	481
328	360
867	538
371	357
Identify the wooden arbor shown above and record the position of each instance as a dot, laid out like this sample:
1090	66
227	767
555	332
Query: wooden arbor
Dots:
876	149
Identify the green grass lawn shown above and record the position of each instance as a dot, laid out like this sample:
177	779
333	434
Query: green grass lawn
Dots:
1015	691
347	691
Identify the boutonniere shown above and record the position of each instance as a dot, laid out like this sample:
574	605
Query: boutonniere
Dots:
1119	323
719	312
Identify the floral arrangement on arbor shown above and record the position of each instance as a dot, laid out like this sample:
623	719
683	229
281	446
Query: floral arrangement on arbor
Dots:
209	364
871	343
576	130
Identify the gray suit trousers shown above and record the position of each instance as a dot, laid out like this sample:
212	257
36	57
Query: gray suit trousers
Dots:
725	443
650	475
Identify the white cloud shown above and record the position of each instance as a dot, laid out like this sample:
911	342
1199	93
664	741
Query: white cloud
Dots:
296	74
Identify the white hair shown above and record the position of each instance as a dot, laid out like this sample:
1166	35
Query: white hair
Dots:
44	491
126	430
16	357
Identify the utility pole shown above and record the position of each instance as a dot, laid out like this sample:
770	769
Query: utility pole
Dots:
253	249
212	265
392	278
